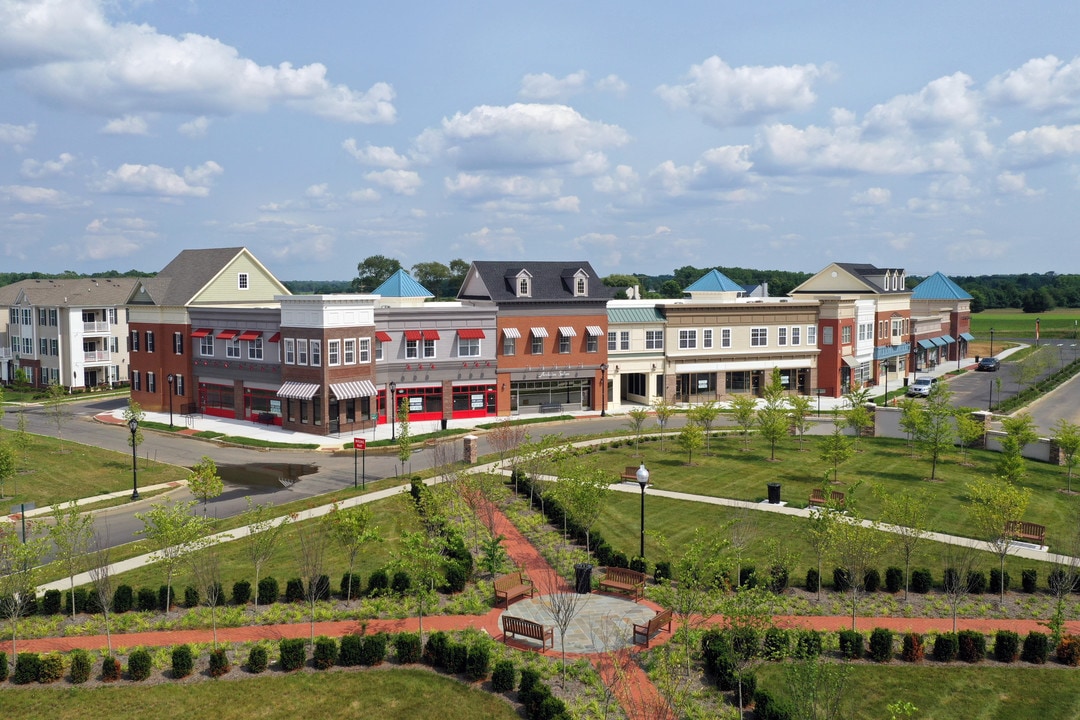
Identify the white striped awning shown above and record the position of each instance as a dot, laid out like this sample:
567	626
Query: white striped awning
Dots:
511	333
298	390
353	389
539	332
594	330
568	332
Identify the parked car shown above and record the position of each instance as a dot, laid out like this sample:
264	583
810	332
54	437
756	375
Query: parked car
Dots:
988	364
921	387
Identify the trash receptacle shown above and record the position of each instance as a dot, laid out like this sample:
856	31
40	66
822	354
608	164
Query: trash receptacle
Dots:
444	423
774	493
583	578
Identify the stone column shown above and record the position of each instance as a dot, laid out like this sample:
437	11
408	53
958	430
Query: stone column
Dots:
472	449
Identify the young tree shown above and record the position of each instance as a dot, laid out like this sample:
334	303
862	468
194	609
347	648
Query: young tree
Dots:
801	406
691	438
7	465
907	513
742	531
937	433
857	416
836	450
816	687
912	418
56	410
404	438
584	491
171	528
421	556
705	415
744	411
956	584
204	482
264	532
1067	438
71	532
563	606
18	569
995	506
820	533
310	558
134	411
22	441
1064	579
772	418
664	412
969	430
1019	433
536	460
101	578
748	614
206	571
507	438
637	416
857	546
352	529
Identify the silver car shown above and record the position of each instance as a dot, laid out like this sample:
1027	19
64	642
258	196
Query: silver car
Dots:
921	387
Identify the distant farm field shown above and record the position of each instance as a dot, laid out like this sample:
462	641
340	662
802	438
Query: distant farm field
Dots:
1060	323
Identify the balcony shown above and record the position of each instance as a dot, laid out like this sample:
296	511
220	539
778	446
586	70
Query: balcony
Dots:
96	328
97	356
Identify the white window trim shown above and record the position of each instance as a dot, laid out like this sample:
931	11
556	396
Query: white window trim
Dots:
707	338
763	337
243	281
333	353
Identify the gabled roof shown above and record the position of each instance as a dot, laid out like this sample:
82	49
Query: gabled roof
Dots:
399	285
854	278
69	292
550	282
714	281
179	283
939	287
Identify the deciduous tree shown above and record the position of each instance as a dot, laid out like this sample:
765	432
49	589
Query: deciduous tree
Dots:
204	482
421	556
969	430
907	513
372	271
352	528
937	433
856	545
1019	433
835	449
744	412
71	532
56	409
18	570
637	416
134	411
1067	438
310	559
173	530
664	412
995	506
404	437
264	532
691	438
705	415
801	406
772	418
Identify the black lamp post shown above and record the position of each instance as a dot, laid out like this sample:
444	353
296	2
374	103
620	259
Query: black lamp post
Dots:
885	372
171	379
133	425
991	342
603	389
643	481
393	407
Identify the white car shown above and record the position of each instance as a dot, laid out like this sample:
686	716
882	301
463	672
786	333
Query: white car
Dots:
921	387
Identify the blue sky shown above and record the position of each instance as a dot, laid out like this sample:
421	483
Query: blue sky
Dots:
639	136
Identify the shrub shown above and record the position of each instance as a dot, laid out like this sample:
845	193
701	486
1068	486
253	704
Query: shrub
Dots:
748	680
258	658
166	597
851	644
840	580
123	599
325	654
322	587
401	582
881	640
241	592
110	669
456	577
972	646
81	665
351	649
995	581
767	707
946	647
148	601
1029	580
293	654
604	553
871	580
913	649
976	580
436	650
50	604
778	579
777	643
407	648
748	576
921	581
183	661
662	571
3	666
1068	650
894	579
479	661
140	664
639	564
350	585
52	668
530	678
80	597
808	645
813	580
503	677
619	560
1036	648
269	591
378	582
27	667
373	649
219	663
294	590
457	657
1006	646
191	597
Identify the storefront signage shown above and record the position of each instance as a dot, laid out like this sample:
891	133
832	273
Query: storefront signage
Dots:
552	374
416	404
477	401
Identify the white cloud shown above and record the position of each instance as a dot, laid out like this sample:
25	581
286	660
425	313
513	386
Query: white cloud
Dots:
34	170
1043	143
196	128
31	195
945	102
518	186
958	187
17	135
105	247
721	167
160	181
366	195
402	182
872	196
1015	184
73	54
723	95
502	242
548	87
622	180
127	125
27	218
1044	83
384	157
114	237
612	84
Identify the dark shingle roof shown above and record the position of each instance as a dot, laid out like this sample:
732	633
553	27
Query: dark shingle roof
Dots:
70	292
189	272
551	282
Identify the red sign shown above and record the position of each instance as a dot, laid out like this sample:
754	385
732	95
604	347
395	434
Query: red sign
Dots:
359	444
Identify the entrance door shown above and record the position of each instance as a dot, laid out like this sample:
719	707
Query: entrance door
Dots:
335	418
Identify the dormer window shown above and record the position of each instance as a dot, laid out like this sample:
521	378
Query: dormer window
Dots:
524	284
580	284
580	288
242	281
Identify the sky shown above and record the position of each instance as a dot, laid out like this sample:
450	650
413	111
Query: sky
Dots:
639	136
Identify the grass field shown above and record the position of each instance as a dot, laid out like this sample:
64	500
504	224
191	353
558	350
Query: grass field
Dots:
376	694
1060	323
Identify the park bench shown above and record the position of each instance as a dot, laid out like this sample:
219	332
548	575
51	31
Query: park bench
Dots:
511	586
662	619
551	407
1027	531
527	628
817	498
630	473
625	581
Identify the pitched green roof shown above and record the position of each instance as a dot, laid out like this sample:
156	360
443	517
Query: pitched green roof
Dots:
400	285
714	281
939	287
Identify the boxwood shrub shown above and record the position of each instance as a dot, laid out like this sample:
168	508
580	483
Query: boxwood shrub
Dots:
322	587
479	661
503	676
851	644
123	599
913	649
378	582
921	581
110	669
351	648
871	580
1006	646
148	601
80	595
293	654
325	654
840	580
350	585
946	647
269	590
436	650
258	658
219	663
1029	580
294	590
401	582
767	707
530	678
894	579
140	664
995	581
777	645
52	668
881	642
407	647
1068	650
976	580
457	657
1036	648
456	577
808	645
813	580
50	604
373	649
27	667
662	571
166	598
3	667
972	646
183	661
191	597
81	666
241	592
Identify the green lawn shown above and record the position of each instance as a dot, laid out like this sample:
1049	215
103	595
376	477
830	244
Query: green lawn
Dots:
1059	323
379	695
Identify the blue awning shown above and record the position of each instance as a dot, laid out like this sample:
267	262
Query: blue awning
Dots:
926	344
949	340
967	336
938	341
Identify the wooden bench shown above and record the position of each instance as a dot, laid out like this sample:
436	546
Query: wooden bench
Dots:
817	498
551	407
512	586
527	628
662	619
623	580
1027	531
630	473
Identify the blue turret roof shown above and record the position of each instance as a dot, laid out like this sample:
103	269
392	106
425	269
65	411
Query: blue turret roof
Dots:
400	284
715	281
939	287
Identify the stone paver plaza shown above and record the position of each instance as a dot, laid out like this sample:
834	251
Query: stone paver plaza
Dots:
603	622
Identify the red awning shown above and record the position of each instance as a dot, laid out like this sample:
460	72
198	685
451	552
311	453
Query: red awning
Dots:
414	335
202	332
471	334
249	335
431	335
381	336
276	337
227	334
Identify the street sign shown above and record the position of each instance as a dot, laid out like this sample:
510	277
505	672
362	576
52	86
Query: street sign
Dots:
359	444
820	391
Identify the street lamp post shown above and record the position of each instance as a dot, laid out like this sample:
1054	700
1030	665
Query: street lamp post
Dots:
885	372
133	425
643	481
171	379
393	408
603	389
991	342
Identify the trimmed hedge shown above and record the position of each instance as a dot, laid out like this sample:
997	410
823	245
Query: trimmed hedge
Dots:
995	581
269	591
81	666
813	580
478	662
1029	580
1006	646
972	646
351	585
183	661
407	648
258	659
946	647
1068	650
373	649
219	663
241	592
293	654
503	677
147	600
871	580
436	651
894	579
140	664
27	667
921	581
294	590
52	668
326	653
767	707
1036	648
378	582
913	649
110	669
881	645
808	645
50	603
851	644
351	649
123	599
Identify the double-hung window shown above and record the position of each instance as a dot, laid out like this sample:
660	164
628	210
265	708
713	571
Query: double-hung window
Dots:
365	349
811	335
725	337
781	336
469	347
206	346
706	338
654	339
795	335
687	339
349	349
412	349
255	349
333	352
316	352
759	337
232	348
301	352
429	348
624	339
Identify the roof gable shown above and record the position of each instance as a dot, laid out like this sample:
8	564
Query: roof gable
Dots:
855	278
939	287
209	276
714	281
